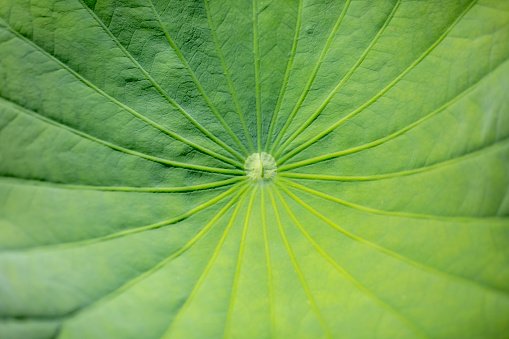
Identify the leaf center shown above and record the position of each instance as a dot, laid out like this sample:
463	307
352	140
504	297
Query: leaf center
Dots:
260	166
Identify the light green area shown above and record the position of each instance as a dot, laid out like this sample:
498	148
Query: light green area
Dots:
254	169
260	166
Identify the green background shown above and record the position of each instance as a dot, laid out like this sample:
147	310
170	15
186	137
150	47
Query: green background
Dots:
125	210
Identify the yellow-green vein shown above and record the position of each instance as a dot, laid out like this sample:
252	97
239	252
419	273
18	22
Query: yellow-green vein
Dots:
311	78
341	83
314	139
227	330
296	266
159	265
120	148
183	189
347	275
286	77
205	97
389	137
382	212
268	263
397	256
165	95
228	78
98	90
490	148
258	99
90	241
202	277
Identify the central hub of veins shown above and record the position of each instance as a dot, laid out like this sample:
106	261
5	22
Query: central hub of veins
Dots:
260	166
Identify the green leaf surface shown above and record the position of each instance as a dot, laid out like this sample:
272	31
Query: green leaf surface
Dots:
128	210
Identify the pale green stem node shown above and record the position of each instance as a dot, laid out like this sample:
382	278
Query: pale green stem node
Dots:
260	166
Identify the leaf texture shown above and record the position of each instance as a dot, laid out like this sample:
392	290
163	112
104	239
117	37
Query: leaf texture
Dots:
127	210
